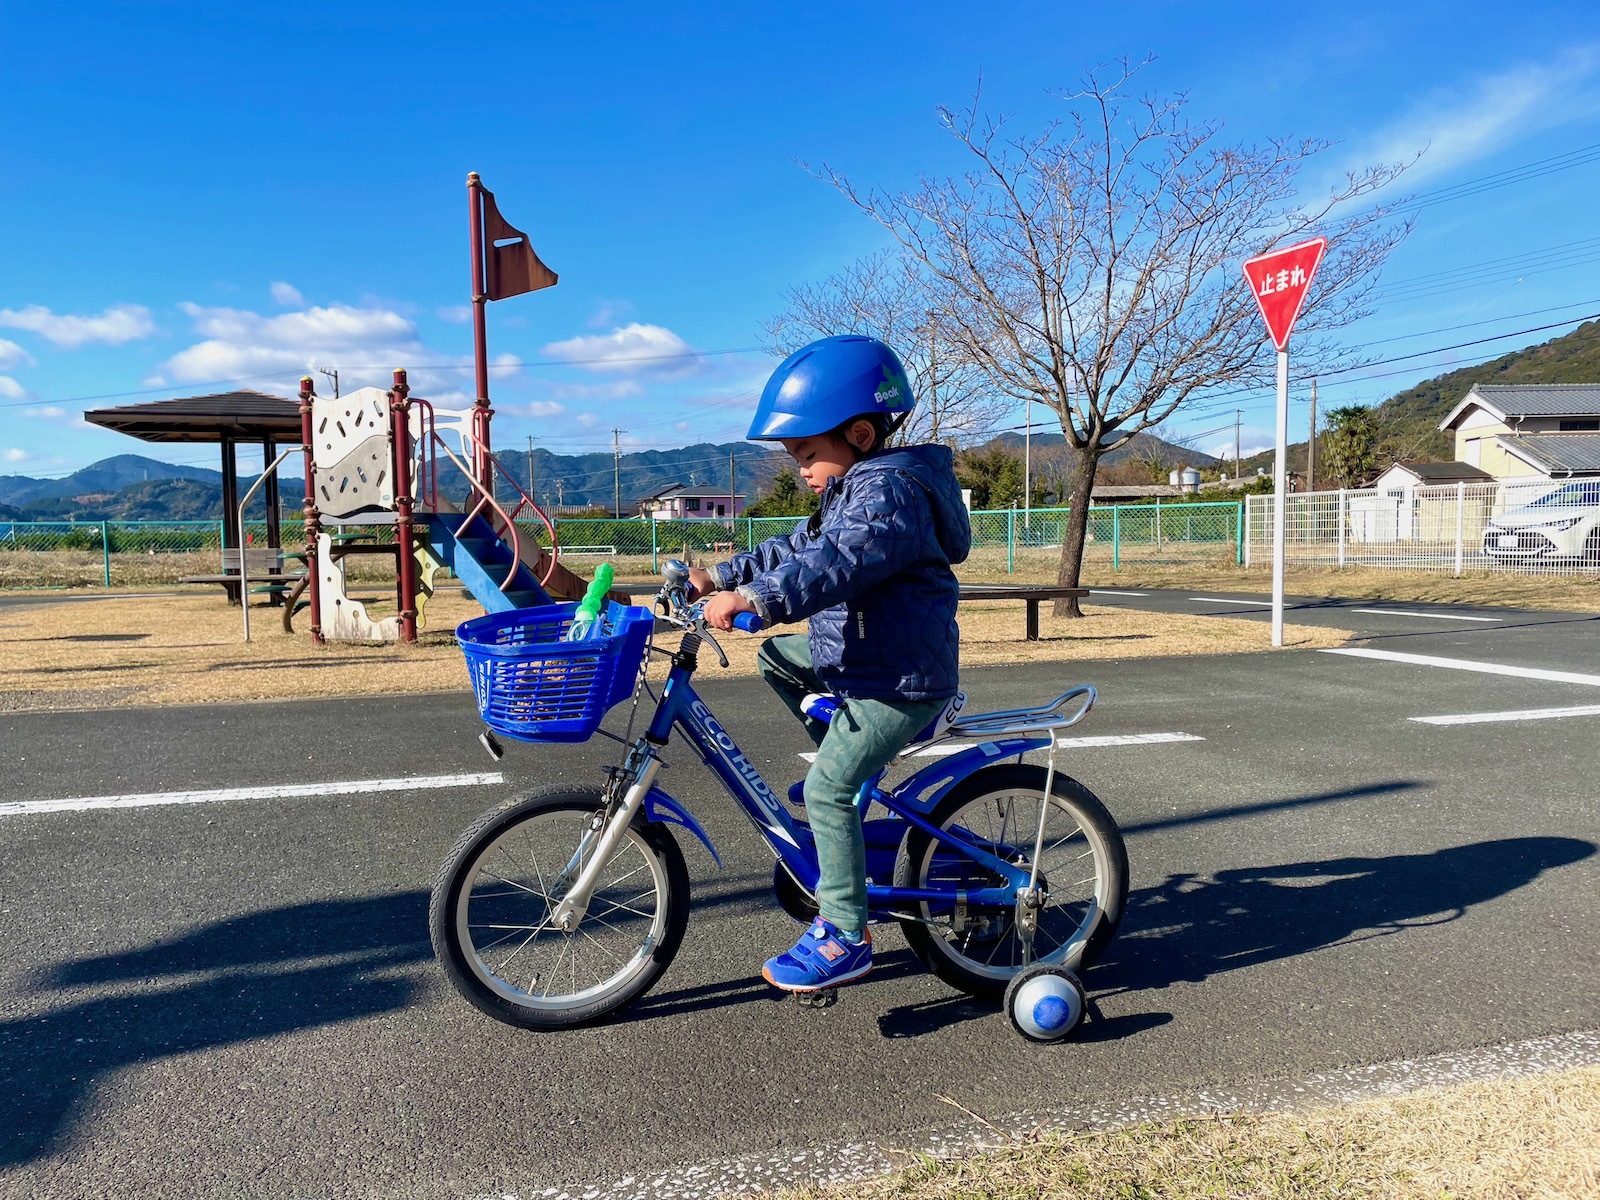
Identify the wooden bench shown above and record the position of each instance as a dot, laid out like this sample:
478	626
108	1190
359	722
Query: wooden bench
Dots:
1032	595
264	568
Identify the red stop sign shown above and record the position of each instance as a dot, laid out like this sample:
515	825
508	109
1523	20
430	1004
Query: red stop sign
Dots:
1280	280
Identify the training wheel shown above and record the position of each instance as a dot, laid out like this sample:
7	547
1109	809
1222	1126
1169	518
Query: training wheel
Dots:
1045	1003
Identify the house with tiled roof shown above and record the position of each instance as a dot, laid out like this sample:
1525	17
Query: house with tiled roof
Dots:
1517	432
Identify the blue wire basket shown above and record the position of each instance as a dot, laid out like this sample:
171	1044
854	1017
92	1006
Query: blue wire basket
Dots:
534	685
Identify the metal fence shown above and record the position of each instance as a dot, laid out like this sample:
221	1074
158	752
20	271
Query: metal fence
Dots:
152	553
1521	526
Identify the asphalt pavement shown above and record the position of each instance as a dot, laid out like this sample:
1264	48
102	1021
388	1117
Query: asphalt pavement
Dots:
235	996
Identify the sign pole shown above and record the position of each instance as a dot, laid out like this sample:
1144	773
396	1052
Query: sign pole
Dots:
1280	281
1280	497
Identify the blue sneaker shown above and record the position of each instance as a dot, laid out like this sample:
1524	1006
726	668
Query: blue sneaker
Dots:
822	958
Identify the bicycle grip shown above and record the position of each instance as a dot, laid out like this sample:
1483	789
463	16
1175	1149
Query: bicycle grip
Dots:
748	623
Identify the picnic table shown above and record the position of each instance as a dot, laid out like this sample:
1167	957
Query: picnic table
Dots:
1030	593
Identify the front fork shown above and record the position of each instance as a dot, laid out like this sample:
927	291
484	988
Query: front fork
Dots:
640	768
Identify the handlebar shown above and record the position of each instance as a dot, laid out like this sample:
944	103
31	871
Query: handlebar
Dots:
748	623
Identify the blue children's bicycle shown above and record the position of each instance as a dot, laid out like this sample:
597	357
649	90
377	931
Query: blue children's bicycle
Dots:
566	904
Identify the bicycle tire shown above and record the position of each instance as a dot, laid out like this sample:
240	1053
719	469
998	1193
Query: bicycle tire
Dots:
462	960
934	946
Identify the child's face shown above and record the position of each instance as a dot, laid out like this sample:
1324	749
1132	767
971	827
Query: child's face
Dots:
826	456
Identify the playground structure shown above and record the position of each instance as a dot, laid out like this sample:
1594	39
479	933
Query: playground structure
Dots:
379	458
373	457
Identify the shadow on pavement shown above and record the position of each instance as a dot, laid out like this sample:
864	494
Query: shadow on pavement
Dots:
250	977
1192	927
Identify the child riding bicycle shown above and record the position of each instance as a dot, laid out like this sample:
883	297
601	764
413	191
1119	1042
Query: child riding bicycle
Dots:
871	570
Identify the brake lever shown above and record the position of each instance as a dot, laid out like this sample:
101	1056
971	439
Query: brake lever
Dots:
705	635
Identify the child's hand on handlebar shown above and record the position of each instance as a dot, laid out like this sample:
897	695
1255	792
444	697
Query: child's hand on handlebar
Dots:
701	582
720	610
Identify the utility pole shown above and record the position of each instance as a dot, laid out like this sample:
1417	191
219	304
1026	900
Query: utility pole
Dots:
933	377
616	472
533	493
1237	471
1311	444
333	375
732	504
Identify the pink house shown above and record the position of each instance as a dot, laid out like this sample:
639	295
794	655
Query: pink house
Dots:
679	503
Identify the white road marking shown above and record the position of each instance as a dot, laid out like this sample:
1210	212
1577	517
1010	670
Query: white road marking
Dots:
285	791
1220	600
1395	612
1107	592
1463	664
1066	743
1526	714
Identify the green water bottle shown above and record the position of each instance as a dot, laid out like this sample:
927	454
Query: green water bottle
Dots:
587	619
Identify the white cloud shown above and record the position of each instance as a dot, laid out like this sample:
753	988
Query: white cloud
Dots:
629	348
242	343
609	312
587	420
456	314
11	389
13	355
286	294
119	323
543	408
46	412
17	456
1454	127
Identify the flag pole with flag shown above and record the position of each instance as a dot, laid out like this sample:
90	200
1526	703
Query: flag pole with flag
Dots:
503	265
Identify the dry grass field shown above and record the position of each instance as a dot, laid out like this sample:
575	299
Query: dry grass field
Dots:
188	648
1523	1139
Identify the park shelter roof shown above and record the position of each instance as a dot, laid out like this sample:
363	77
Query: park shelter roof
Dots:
1509	401
1556	454
244	415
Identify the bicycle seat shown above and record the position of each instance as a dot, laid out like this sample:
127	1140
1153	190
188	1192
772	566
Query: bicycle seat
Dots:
820	706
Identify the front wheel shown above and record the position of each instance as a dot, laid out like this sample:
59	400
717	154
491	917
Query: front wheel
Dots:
1083	872
490	914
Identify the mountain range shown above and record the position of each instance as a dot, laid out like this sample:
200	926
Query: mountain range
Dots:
132	487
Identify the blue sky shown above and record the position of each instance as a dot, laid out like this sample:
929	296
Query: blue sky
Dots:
196	193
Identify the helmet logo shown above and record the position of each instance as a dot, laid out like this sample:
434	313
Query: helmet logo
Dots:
892	391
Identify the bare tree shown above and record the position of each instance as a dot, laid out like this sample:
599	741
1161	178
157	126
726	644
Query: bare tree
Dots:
887	296
1094	266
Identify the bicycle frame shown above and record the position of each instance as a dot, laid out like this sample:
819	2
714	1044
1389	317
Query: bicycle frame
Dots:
681	708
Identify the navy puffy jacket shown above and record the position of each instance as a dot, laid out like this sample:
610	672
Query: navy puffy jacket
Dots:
872	572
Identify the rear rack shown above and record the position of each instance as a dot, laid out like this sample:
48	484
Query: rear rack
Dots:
1016	721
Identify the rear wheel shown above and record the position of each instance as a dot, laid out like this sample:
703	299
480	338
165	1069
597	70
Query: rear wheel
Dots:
490	914
1083	872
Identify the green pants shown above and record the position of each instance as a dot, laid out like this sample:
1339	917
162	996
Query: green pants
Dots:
863	738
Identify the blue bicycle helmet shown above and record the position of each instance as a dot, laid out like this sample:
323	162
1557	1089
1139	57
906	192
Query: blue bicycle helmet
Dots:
821	386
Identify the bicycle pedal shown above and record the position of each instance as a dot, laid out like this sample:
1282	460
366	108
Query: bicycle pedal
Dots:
826	998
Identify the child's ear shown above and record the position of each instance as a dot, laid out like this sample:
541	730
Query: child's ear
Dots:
861	435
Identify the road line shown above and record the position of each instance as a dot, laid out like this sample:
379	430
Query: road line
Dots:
1066	743
1108	592
1220	600
1525	714
1395	612
286	791
1463	664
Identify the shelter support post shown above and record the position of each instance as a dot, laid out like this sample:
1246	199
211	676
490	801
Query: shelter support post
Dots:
232	535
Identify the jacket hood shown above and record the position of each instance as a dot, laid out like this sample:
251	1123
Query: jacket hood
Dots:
933	468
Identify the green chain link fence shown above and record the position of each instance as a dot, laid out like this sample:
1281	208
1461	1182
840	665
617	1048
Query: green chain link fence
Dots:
154	553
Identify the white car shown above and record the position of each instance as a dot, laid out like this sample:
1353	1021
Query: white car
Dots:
1564	523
